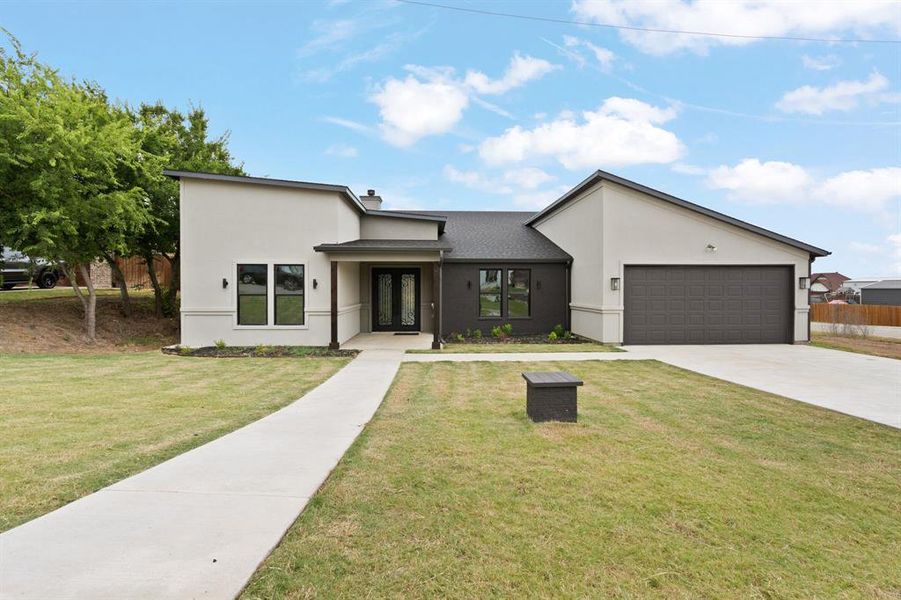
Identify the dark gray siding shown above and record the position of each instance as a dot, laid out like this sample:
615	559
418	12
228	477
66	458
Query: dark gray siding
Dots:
460	304
886	296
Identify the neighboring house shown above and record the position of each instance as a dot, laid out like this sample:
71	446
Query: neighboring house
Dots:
287	262
855	284
887	291
824	286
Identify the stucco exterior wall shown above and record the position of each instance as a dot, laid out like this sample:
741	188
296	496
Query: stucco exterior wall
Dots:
226	223
627	227
390	228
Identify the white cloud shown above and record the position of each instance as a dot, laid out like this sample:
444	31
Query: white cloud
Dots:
820	63
522	69
330	33
602	55
844	95
622	131
341	151
861	18
431	100
412	109
894	242
762	183
385	47
868	191
864	248
347	124
522	185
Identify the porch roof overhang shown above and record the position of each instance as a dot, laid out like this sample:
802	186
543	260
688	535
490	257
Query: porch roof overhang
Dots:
386	250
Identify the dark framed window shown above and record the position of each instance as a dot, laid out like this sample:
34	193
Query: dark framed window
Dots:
289	297
518	287
490	292
252	295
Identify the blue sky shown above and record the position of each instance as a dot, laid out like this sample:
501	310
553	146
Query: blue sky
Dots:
442	109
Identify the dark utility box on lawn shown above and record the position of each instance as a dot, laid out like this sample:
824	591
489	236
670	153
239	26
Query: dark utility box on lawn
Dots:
551	396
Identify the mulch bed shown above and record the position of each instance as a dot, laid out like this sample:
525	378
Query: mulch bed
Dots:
259	352
519	339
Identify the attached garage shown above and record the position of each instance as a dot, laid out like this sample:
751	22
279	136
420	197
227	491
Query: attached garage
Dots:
681	304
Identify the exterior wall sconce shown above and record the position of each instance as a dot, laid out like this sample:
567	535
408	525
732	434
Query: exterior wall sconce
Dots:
710	248
614	283
469	285
224	283
538	284
315	284
803	283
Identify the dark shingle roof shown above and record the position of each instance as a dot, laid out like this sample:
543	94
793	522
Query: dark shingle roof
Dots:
832	281
386	245
478	236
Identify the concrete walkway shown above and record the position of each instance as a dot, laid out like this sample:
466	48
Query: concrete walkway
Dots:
197	526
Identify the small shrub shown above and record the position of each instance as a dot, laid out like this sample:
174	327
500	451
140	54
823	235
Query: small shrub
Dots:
477	334
496	332
459	337
220	344
261	349
558	330
567	335
468	333
184	351
507	328
552	336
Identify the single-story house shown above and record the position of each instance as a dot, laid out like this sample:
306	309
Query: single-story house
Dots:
823	286
271	261
886	292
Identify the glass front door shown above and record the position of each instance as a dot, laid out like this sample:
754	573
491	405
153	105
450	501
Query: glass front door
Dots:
395	299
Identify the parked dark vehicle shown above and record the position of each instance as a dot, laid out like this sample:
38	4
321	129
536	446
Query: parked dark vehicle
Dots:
17	268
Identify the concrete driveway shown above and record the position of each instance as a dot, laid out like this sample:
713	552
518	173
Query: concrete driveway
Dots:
864	386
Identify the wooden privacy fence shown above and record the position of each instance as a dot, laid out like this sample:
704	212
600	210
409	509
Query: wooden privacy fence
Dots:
856	314
135	271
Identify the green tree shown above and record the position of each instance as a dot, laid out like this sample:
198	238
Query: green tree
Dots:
67	160
184	143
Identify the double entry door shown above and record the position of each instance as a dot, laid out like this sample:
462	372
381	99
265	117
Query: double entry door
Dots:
395	299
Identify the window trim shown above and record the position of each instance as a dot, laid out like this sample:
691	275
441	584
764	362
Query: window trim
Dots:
275	295
507	293
238	293
270	293
501	311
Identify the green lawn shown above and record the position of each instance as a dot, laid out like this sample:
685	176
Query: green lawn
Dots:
73	424
672	485
21	294
513	347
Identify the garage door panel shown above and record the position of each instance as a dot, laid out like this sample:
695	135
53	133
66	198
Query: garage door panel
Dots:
708	305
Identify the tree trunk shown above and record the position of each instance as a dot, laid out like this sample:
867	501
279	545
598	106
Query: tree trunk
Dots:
121	283
73	281
172	291
155	282
90	313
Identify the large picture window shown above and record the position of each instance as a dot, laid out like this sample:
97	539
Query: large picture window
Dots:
518	281
289	299
490	292
252	295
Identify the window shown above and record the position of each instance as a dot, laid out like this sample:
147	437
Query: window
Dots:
489	292
518	292
289	301
252	299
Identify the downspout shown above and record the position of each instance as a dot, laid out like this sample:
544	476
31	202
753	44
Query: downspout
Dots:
568	292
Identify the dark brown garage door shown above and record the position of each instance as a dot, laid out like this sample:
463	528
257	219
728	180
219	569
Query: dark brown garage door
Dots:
708	305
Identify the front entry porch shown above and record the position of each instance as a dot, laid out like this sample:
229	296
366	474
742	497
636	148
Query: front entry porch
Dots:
386	340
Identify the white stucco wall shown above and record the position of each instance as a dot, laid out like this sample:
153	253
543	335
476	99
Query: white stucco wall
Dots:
612	226
226	223
392	228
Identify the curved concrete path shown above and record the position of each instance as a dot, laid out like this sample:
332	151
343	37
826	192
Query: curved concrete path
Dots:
198	525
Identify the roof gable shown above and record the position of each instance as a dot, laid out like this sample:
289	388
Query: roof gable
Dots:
599	176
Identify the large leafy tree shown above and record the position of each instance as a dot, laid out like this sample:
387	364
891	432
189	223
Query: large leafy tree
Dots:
69	163
185	143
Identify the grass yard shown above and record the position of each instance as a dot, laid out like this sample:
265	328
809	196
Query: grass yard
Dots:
671	485
73	424
876	346
514	347
22	294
